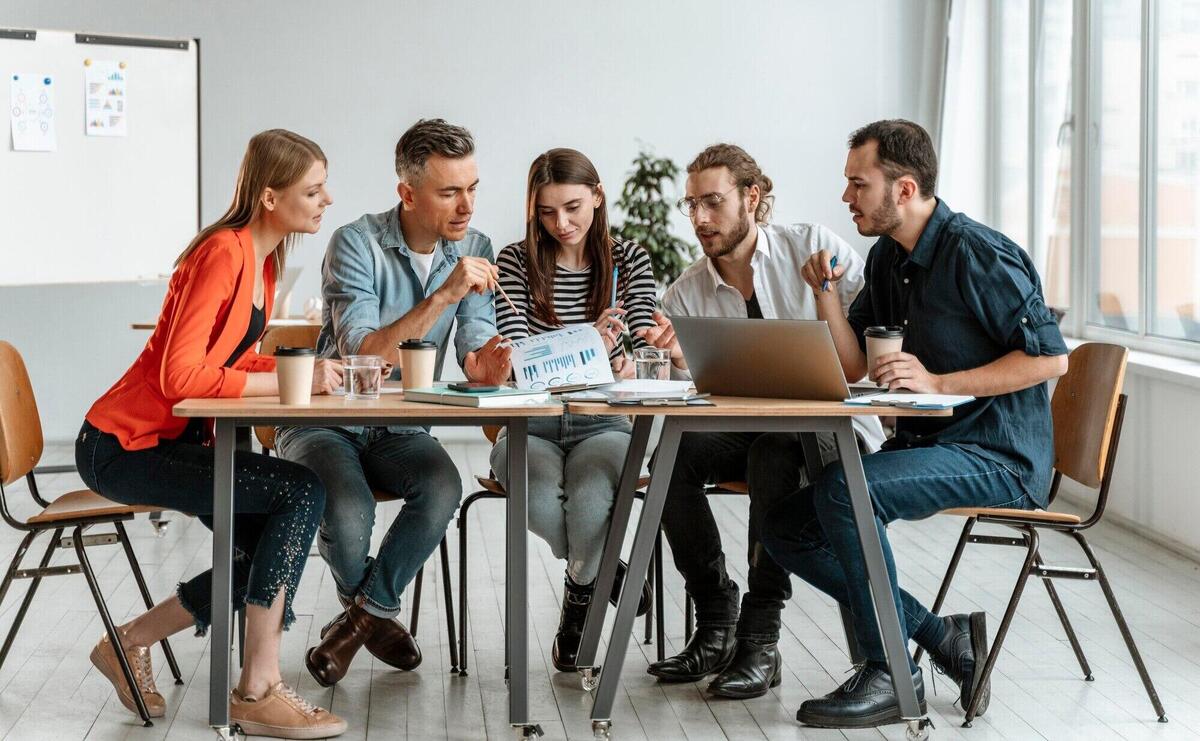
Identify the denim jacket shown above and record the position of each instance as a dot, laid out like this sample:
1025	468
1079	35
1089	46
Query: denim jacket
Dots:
368	281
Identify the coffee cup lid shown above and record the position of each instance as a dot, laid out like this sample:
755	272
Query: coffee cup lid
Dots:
884	332
417	344
291	352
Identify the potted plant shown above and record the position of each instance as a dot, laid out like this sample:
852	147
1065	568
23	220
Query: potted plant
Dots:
647	215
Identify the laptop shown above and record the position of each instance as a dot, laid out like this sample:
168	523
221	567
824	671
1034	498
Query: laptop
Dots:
765	358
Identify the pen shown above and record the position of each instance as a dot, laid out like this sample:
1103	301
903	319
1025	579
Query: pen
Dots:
614	288
832	265
508	300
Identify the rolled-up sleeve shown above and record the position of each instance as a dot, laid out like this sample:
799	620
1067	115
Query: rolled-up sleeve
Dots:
476	313
997	287
348	287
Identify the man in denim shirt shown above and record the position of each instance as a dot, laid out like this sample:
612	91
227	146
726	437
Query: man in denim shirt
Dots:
975	323
406	273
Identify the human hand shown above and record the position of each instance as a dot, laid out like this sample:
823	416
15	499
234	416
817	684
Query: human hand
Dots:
623	367
900	370
470	274
819	269
662	335
327	376
610	326
491	363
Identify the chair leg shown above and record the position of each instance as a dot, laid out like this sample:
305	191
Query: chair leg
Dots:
856	654
136	568
8	579
241	636
462	594
950	569
416	605
114	635
687	617
1067	627
1123	626
659	591
1031	538
448	598
648	634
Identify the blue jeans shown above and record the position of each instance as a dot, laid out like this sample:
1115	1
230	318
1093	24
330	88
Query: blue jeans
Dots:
413	466
812	533
276	508
575	466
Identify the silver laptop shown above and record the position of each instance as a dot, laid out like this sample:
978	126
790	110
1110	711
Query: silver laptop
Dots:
773	358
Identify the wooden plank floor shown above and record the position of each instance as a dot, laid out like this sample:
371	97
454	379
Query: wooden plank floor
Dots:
48	689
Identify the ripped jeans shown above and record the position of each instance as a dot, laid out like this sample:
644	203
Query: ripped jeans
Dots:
277	506
813	534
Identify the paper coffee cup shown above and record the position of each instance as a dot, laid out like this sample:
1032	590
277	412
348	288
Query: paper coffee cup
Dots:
881	341
294	371
417	361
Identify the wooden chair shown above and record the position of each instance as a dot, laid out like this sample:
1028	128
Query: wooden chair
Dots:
1088	409
493	489
306	336
21	446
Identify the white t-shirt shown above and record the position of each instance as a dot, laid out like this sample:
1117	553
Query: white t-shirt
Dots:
422	264
779	253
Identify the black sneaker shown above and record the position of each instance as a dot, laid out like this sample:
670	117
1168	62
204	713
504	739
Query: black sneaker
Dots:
961	656
866	700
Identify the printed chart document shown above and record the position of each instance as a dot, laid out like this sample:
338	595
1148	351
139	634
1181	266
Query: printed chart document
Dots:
105	101
31	102
566	357
906	399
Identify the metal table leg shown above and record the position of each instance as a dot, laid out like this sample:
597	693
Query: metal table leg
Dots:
516	621
622	509
222	578
877	575
639	560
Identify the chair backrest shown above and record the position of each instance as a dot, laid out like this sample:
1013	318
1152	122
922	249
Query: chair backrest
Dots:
1084	409
299	336
20	426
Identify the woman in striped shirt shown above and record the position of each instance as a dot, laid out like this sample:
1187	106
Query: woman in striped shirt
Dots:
562	273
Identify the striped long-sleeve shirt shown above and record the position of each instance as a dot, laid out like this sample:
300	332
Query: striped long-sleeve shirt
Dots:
635	287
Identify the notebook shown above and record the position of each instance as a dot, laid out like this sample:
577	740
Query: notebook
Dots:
505	397
913	401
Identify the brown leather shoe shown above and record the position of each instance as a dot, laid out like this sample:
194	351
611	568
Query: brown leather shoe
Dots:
391	643
330	659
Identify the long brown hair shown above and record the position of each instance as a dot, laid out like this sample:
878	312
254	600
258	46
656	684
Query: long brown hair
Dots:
276	159
563	166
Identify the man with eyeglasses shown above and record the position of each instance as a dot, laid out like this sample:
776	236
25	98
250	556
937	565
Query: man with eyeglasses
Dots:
750	269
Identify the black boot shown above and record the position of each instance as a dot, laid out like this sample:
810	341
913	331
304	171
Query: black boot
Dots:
576	598
961	655
754	669
644	599
866	700
707	653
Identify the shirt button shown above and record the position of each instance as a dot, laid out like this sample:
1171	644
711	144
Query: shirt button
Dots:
1024	320
906	322
906	280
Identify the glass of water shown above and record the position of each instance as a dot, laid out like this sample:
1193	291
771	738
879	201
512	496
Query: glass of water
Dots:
362	375
652	363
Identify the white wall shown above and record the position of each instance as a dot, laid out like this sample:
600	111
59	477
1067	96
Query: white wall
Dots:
787	80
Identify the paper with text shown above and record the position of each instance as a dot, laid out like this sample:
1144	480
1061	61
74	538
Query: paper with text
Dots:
31	98
566	357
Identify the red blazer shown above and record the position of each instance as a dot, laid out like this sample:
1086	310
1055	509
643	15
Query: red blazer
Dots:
204	317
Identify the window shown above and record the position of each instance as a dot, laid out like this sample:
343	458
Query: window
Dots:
1052	150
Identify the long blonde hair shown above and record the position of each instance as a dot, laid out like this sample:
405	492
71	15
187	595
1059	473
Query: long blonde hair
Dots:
276	159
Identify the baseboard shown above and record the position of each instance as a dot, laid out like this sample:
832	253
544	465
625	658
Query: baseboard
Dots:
1085	504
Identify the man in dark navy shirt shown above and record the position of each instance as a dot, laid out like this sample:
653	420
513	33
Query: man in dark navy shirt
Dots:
975	323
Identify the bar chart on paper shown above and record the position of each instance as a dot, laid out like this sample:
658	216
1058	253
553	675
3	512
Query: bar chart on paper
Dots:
570	356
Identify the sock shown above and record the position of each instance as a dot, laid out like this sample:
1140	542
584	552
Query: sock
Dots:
930	633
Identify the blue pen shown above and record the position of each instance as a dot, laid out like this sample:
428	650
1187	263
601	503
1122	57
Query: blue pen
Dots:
614	288
832	265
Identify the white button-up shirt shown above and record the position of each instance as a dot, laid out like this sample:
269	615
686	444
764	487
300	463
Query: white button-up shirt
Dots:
779	254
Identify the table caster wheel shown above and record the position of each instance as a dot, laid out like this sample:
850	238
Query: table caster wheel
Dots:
527	732
918	730
589	678
602	729
160	527
229	733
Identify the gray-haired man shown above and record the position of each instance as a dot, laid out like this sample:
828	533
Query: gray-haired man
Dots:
408	272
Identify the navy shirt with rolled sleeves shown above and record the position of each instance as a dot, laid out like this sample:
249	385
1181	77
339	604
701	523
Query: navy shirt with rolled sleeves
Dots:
966	296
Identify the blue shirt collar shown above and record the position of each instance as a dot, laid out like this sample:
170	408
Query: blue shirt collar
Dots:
393	239
926	247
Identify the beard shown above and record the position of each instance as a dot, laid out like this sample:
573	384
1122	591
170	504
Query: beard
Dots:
883	220
727	242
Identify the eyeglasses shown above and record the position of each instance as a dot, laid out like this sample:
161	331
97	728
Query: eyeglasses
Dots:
710	202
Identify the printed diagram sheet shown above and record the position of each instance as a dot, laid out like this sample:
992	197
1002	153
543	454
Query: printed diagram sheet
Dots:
31	99
106	104
567	357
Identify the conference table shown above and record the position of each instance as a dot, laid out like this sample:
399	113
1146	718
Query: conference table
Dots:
231	414
729	414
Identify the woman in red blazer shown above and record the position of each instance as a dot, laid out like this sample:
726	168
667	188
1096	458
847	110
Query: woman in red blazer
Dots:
132	450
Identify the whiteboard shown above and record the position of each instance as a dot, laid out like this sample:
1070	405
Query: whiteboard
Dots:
101	208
